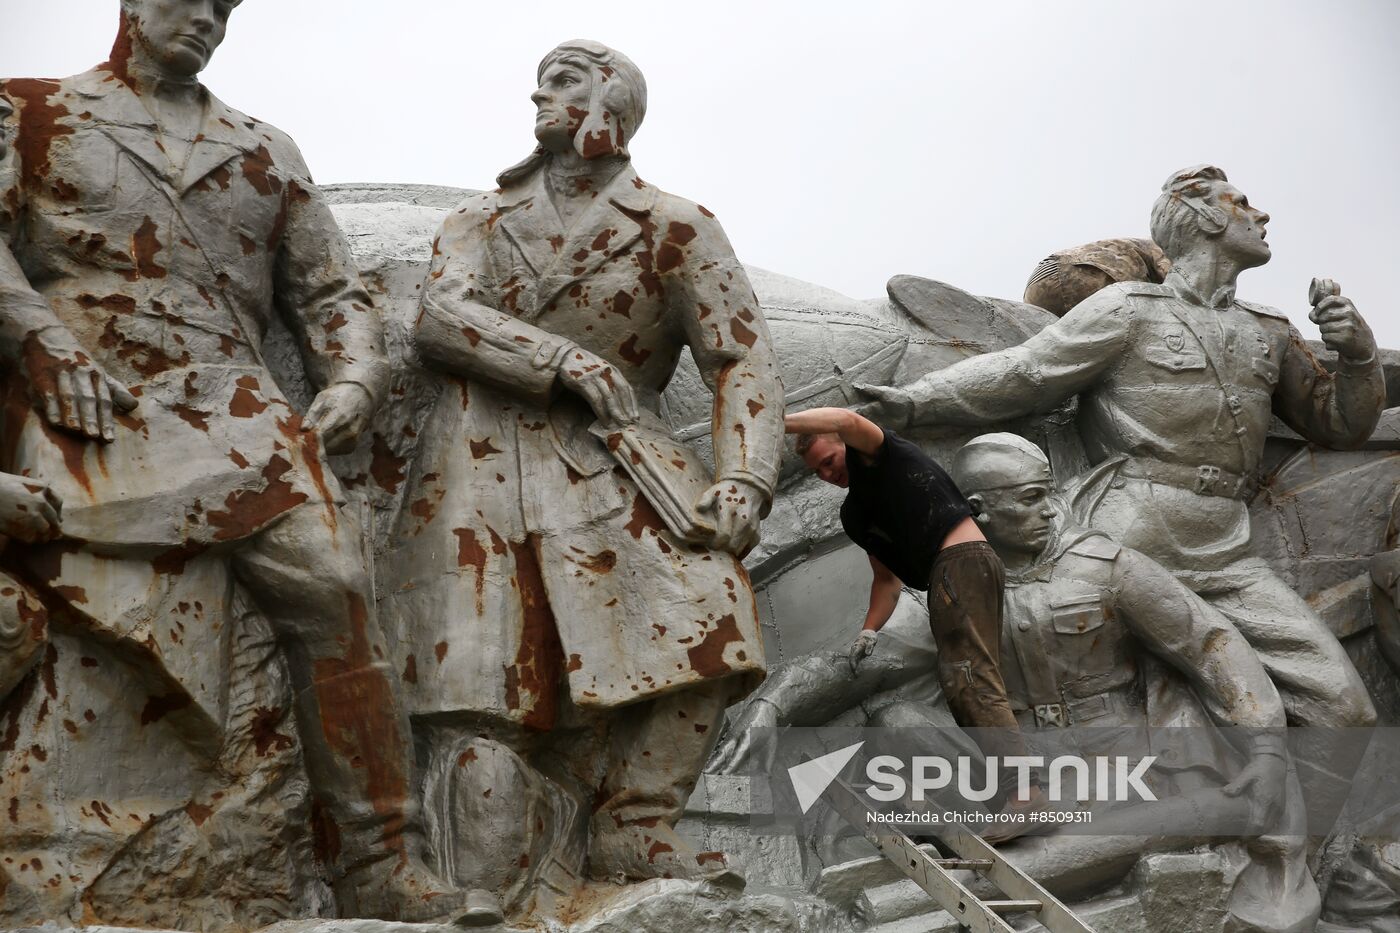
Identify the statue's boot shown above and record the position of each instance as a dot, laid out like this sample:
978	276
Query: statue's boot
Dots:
637	851
658	749
355	743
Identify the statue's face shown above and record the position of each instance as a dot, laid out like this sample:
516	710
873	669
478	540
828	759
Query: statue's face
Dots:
179	36
827	457
561	103
1243	239
1016	520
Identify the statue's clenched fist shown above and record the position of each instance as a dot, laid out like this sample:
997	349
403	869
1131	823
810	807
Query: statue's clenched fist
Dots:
737	509
1341	325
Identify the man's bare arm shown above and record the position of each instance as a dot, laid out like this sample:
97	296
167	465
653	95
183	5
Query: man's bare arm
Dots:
856	432
884	595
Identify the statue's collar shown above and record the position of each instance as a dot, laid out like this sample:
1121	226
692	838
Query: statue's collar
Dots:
1223	298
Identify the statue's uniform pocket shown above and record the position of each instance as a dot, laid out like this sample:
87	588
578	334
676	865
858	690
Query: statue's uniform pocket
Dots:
1175	351
1267	370
1077	615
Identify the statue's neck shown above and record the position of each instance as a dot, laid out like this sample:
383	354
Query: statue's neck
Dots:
572	173
134	66
1206	277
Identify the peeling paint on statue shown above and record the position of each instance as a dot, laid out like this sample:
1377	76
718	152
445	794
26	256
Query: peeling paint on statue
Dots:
565	298
161	228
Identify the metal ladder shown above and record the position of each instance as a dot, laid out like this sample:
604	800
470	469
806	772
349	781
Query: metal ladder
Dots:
1023	893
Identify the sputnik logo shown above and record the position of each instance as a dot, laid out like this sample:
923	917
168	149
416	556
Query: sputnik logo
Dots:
811	778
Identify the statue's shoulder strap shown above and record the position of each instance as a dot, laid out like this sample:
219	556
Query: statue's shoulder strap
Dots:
1148	290
1261	310
1096	545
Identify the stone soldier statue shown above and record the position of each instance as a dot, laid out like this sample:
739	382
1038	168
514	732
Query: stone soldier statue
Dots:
1177	384
1092	630
1068	276
163	228
537	578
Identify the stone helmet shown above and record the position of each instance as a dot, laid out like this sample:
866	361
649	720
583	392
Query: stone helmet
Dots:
998	461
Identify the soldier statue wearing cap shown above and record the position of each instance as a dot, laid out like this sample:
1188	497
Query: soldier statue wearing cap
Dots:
1100	636
1178	383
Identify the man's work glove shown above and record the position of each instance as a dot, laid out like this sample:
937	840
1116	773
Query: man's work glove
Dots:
862	648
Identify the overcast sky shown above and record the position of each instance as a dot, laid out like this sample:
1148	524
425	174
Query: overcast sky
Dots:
845	142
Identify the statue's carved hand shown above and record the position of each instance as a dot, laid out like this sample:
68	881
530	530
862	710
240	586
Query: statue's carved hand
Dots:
340	414
888	406
1343	328
605	389
737	508
1262	782
72	391
740	749
29	509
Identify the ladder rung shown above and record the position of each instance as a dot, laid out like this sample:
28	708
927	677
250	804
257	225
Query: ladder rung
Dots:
964	864
1011	907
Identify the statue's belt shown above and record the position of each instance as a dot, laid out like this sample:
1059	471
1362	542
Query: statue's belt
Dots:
1203	479
1081	710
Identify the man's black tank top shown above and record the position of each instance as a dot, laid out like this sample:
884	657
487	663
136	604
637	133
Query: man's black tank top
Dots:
901	507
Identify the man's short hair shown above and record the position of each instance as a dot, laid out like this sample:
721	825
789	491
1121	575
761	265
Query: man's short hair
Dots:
1186	208
805	442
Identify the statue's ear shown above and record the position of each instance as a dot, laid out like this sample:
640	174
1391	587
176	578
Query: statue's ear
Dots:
1213	219
979	514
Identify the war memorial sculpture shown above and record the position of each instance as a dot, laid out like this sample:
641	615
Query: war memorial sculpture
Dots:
387	557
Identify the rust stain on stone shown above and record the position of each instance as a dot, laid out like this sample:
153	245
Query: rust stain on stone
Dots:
356	700
707	658
645	517
256	166
244	403
245	511
144	248
630	353
38	123
385	466
538	660
266	738
602	562
482	448
470	553
198	812
192	416
157	708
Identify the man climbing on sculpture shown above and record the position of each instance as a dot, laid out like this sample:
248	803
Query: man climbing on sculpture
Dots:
917	529
162	229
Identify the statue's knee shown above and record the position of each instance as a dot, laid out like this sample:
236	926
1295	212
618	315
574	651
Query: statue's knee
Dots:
1358	711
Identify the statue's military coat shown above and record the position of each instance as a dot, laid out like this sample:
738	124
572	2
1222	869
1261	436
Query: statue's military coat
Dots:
524	546
167	278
